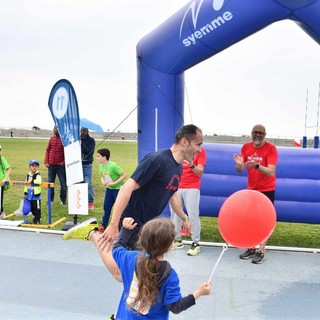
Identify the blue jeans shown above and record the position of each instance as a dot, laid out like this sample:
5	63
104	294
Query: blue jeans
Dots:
87	176
109	200
59	171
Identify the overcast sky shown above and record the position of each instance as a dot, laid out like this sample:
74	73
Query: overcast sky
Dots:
92	43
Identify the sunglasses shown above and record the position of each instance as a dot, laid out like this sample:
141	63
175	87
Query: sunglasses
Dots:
258	132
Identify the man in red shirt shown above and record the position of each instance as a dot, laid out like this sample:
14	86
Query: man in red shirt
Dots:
189	194
260	157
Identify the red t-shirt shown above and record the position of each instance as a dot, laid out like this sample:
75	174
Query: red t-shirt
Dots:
189	180
267	154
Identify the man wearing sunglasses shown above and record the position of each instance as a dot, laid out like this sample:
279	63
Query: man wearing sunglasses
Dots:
260	157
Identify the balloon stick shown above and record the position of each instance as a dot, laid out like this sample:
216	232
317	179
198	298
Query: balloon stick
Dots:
225	248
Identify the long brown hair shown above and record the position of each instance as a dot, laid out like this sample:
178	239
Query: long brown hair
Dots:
155	240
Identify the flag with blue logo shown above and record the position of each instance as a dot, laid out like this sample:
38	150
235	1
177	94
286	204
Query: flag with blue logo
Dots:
63	106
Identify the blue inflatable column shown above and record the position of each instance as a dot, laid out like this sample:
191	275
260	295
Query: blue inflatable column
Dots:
160	108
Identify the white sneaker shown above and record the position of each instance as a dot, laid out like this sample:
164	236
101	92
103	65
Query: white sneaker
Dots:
2	215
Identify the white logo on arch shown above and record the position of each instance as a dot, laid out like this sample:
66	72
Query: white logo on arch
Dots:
217	4
194	9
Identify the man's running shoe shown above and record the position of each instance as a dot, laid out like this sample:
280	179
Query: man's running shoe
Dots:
258	257
194	250
82	231
177	244
248	254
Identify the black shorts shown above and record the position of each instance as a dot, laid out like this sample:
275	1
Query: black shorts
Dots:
270	195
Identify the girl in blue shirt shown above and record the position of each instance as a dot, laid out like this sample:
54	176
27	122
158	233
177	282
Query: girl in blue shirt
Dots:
150	286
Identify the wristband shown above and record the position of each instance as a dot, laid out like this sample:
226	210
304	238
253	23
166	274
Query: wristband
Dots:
192	166
185	218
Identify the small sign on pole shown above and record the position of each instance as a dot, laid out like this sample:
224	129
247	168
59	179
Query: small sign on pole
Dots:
78	199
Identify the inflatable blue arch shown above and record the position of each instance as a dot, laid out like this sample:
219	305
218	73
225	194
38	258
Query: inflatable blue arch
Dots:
198	31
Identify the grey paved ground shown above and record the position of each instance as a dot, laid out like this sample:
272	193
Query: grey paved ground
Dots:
44	277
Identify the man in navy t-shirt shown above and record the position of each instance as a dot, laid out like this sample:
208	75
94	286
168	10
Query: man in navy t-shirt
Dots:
154	183
146	193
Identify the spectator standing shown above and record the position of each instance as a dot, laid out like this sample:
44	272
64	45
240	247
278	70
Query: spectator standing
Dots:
189	194
33	190
54	161
112	177
87	151
5	171
260	157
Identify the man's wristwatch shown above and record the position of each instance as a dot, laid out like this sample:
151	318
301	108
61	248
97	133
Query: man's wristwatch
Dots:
185	218
257	166
192	166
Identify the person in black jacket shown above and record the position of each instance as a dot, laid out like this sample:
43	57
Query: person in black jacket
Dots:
87	151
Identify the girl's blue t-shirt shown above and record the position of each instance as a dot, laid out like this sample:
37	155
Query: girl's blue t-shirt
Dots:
169	291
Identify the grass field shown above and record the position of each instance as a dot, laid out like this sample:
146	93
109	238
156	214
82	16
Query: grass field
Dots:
19	151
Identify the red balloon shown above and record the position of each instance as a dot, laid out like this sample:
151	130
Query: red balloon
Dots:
246	219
